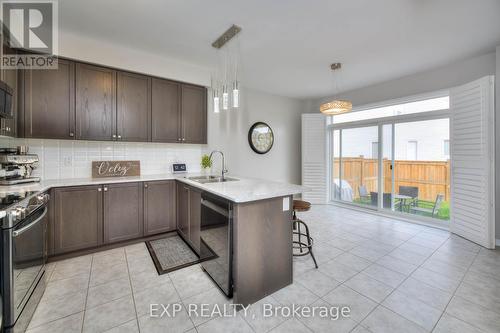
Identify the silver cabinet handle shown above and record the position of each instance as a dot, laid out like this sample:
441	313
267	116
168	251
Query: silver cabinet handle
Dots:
119	136
99	189
114	136
71	134
105	189
179	139
183	139
146	185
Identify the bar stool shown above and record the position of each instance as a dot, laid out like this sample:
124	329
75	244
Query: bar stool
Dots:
304	247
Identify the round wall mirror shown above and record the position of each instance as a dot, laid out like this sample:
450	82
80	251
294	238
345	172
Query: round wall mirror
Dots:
260	138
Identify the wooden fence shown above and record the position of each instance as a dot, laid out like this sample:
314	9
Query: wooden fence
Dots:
431	177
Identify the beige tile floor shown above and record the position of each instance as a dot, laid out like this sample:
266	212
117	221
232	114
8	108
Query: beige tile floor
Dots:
395	276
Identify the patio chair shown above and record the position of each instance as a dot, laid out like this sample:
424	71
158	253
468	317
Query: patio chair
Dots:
429	211
363	194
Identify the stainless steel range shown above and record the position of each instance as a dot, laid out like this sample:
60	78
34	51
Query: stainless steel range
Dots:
16	166
23	221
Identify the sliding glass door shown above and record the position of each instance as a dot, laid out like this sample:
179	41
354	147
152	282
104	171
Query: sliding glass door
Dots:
355	171
422	168
396	166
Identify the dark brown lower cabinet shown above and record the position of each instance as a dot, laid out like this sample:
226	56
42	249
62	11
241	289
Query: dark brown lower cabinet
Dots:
159	207
83	217
77	217
194	218
123	215
183	210
189	214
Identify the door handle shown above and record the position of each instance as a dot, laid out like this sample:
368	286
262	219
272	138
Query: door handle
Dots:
145	185
105	189
114	136
71	134
119	136
99	189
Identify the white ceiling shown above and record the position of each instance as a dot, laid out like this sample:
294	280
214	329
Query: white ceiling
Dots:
287	45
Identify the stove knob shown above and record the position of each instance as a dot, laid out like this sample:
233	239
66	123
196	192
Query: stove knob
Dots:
21	212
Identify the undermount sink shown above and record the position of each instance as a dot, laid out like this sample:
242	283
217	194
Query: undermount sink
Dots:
211	179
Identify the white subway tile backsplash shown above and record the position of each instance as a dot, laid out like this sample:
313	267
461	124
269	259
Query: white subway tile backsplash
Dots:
60	159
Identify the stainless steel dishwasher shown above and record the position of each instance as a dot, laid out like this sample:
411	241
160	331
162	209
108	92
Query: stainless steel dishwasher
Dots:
216	233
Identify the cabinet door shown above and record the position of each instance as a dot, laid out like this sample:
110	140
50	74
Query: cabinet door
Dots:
49	108
194	218
77	218
123	216
165	105
194	114
95	102
10	76
159	207
183	210
133	111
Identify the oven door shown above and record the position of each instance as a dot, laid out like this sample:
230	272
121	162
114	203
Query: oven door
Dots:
29	254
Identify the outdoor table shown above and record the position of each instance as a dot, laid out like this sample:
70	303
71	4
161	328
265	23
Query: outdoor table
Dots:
403	198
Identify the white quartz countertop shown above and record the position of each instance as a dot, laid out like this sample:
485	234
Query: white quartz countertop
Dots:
239	191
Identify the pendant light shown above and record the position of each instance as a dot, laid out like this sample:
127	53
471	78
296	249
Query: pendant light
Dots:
226	76
337	106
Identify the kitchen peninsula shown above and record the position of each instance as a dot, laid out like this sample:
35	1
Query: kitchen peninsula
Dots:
92	214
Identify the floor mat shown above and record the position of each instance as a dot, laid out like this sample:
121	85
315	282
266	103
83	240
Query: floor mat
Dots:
172	253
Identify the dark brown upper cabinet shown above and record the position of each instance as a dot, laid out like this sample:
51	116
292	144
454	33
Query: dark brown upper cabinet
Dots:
166	111
159	207
123	215
49	102
194	114
77	218
8	126
95	102
133	110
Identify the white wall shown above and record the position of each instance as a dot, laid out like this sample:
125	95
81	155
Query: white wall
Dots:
229	133
436	79
123	57
497	137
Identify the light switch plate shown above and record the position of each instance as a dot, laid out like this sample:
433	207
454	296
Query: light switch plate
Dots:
286	204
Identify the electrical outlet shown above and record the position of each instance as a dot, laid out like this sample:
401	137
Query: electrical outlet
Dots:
67	161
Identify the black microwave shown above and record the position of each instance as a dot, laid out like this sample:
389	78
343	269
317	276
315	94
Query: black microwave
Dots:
6	93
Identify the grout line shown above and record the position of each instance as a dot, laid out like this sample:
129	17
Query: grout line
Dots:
131	289
455	291
87	295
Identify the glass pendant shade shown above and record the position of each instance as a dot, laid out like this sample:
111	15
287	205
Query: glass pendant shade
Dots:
336	107
236	96
216	104
225	99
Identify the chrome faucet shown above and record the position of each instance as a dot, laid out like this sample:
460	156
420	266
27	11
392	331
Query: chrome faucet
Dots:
223	162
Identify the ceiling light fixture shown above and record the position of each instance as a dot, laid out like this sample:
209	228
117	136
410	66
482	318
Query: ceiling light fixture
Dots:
226	75
337	106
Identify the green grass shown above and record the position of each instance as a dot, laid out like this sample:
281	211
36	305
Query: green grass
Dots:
443	213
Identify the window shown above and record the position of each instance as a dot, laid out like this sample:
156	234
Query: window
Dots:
432	104
446	148
411	151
